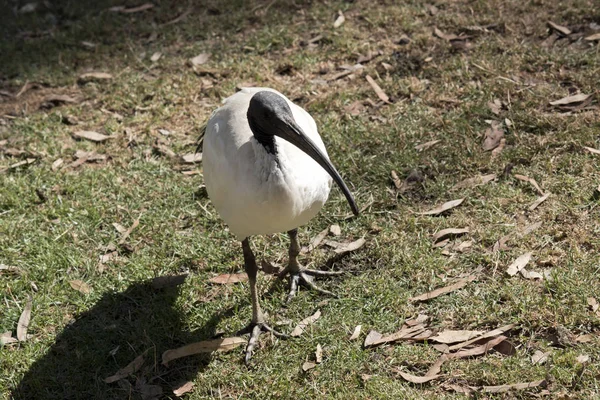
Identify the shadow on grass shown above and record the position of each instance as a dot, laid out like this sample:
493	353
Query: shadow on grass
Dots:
120	327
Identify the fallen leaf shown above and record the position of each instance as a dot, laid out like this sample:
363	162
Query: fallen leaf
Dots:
518	264
128	231
492	137
206	346
6	338
464	246
531	181
183	389
592	150
355	108
57	163
131	10
90	76
192	158
380	93
495	106
162	282
299	329
479	350
9	269
335	230
461	283
443	35
515	386
57	99
404	333
583	358
225	279
200	59
120	228
531	228
349	247
80	286
539	201
396	180
319	354
129	369
339	20
156	56
426	145
415	379
559	28
24	319
584	338
316	241
91	135
565	101
593	38
531	274
593	303
308	365
539	357
441	243
449	232
475	181
443	208
372	337
356	332
453	336
486	335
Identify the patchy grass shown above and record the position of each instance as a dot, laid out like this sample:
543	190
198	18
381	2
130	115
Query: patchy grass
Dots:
55	224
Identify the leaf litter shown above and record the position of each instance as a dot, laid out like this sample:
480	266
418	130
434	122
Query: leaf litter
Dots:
449	232
205	346
355	333
459	284
80	286
443	208
226	279
301	327
475	181
24	319
129	369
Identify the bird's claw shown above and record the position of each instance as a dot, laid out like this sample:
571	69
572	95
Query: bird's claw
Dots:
255	329
306	277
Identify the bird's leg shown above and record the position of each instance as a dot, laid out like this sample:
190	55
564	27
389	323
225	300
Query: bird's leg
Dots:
299	274
258	324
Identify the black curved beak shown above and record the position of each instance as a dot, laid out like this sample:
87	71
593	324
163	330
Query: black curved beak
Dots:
298	138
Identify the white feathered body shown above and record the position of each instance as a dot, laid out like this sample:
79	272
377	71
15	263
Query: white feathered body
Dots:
256	192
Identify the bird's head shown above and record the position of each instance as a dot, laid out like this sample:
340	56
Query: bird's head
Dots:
270	115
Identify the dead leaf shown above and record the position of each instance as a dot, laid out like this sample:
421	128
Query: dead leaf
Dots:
349	247
299	329
319	354
486	335
131	10
372	337
463	246
339	20
90	76
162	282
156	56
492	137
453	336
80	286
584	338
531	228
129	369
518	264
120	228
443	35
592	150
335	230
397	182
57	99
531	274
6	338
225	279
593	303
91	135
404	333
24	319
443	208
416	379
461	283
183	389
206	346
515	386
539	201
192	158
449	232
475	181
583	358
355	108
356	332
380	93
531	181
593	38
495	106
10	269
539	357
316	241
426	145
559	28
200	59
56	164
308	365
128	231
569	100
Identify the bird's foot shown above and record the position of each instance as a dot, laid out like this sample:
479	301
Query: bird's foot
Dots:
255	329
306	277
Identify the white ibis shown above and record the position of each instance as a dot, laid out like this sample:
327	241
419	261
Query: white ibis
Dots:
266	171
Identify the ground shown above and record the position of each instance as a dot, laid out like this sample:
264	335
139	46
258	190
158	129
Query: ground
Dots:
490	67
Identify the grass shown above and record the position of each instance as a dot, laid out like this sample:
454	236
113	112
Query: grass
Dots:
438	92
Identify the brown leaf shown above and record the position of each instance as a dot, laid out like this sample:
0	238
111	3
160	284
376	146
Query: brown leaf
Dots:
396	180
404	333
449	232
372	337
156	56
461	283
415	379
454	336
57	163
570	100
426	145
316	241
129	369
476	351
301	327
492	137
582	358
515	386
443	35
592	150
308	365
530	228
6	338
380	93
486	335
162	282
355	108
593	303
120	228
475	181
192	158
499	149
531	181
80	286
539	201
225	279
200	59
57	99
183	389
356	332
518	264
593	38
495	106
91	135
349	247
436	367
559	28
206	346
319	354
501	244
128	231
443	208
90	76
539	357
335	230
24	319
339	20
9	269
131	10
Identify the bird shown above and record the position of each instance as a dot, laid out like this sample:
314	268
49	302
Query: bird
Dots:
266	171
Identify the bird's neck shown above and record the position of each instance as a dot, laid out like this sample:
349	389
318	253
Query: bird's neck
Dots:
265	139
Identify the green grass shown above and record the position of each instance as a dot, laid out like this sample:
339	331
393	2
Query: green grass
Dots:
78	339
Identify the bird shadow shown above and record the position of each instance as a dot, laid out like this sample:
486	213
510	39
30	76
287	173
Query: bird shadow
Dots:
97	343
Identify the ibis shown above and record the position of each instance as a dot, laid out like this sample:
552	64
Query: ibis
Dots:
266	171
